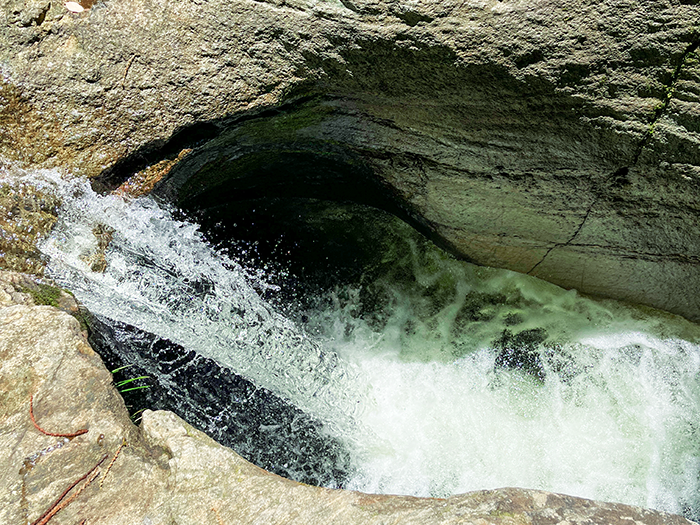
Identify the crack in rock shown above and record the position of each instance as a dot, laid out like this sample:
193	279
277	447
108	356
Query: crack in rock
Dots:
662	108
658	114
568	242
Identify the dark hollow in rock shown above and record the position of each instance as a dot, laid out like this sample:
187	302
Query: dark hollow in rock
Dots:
262	427
306	245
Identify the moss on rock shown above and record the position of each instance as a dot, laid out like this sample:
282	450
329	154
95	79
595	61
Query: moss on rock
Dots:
44	294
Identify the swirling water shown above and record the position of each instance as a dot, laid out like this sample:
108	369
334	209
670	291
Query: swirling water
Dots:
457	378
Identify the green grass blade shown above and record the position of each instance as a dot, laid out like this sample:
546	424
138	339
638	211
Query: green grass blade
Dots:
121	368
127	381
135	388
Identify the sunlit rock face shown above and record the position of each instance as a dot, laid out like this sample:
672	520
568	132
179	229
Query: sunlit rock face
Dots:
554	139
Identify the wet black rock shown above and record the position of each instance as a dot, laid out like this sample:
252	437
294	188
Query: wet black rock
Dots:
262	427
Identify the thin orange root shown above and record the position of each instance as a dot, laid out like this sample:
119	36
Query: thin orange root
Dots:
36	425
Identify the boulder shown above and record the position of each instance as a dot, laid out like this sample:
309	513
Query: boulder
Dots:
62	421
557	139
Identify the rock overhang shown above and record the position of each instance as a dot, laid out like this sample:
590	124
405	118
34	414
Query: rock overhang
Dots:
582	220
553	139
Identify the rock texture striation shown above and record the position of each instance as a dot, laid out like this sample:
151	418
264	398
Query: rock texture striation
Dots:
553	138
168	472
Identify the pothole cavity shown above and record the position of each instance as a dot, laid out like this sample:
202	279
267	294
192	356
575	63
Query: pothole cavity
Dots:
374	361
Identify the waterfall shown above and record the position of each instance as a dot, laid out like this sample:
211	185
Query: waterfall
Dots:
163	277
457	377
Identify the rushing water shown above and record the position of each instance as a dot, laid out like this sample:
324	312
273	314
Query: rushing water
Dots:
438	377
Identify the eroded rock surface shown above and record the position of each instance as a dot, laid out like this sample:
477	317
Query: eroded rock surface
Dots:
169	473
554	138
26	216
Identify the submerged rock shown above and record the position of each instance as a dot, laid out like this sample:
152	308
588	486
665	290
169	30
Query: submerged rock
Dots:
168	472
521	351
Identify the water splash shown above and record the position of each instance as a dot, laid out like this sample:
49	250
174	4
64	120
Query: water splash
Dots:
413	371
162	277
602	401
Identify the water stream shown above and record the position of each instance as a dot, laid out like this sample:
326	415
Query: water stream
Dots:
438	377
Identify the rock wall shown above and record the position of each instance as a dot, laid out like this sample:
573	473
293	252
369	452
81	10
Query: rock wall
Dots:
554	138
166	472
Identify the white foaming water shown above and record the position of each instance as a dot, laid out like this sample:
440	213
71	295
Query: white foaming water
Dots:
624	430
163	278
616	417
416	393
